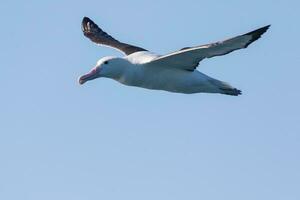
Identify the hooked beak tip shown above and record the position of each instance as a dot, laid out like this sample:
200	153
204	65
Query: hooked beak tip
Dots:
81	81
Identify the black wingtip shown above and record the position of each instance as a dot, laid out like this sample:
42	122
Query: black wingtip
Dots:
259	31
86	20
87	25
256	34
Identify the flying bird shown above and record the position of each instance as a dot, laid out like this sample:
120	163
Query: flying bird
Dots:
173	72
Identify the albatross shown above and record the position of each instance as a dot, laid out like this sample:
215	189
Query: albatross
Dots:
173	72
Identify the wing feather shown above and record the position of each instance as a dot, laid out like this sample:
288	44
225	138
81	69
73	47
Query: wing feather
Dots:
97	35
188	58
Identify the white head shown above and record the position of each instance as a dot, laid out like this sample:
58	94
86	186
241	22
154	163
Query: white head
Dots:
110	67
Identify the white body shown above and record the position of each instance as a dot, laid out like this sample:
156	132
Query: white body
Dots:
139	71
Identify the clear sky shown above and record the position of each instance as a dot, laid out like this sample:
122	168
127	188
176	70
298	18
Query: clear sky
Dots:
103	140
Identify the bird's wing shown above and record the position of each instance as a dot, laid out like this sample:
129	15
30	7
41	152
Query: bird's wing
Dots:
97	35
188	58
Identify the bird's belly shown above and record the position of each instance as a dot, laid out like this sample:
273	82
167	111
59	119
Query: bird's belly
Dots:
169	80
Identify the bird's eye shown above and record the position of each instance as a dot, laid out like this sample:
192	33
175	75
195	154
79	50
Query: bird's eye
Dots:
105	62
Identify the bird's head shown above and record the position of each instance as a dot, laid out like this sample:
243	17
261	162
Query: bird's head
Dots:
109	67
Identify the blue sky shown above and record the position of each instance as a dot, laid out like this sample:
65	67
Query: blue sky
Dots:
103	140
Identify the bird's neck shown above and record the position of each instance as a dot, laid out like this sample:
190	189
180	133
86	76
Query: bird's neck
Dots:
121	70
129	74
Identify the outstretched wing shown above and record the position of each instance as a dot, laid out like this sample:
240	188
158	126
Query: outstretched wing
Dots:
188	58
97	35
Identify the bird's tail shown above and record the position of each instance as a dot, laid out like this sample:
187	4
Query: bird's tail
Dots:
231	91
225	88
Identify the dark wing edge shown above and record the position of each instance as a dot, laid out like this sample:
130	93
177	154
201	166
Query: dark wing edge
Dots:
92	31
223	45
215	49
256	34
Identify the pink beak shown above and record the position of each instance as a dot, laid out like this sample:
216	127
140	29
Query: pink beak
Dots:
89	76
